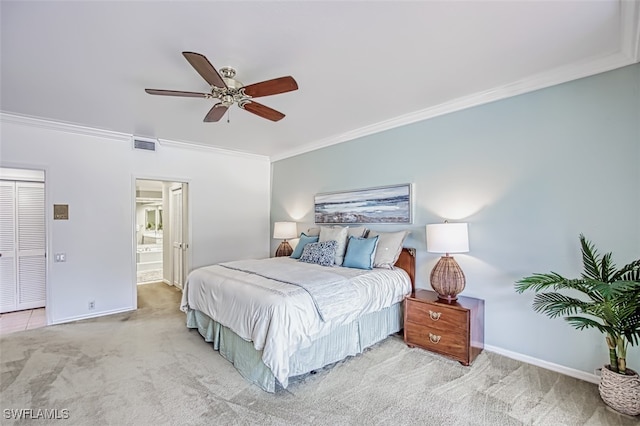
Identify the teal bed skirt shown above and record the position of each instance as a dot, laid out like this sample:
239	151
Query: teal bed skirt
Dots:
347	340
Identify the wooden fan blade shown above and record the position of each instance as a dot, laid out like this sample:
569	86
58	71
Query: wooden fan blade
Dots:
176	93
263	111
205	69
271	87
215	113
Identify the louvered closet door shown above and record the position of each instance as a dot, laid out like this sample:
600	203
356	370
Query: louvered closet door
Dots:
8	282
31	245
22	244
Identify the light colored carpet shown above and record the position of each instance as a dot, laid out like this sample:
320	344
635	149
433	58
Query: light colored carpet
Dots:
146	367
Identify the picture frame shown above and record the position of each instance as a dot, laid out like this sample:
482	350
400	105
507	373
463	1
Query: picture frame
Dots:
380	205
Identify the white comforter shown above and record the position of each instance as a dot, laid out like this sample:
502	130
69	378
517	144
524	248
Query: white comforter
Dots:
278	317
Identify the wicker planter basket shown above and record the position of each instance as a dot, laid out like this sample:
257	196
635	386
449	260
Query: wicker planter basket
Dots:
620	392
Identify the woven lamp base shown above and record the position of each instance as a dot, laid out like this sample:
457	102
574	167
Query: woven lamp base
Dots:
284	249
447	279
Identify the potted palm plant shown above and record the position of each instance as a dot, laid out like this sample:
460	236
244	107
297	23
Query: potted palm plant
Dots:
604	298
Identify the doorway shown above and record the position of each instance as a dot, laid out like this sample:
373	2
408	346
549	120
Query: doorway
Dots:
160	231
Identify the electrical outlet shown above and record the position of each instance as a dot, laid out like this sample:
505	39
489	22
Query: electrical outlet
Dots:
92	304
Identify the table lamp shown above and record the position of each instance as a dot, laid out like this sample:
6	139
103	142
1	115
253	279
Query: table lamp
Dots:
284	231
447	279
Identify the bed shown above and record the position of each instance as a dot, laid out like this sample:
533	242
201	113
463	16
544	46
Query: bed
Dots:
278	318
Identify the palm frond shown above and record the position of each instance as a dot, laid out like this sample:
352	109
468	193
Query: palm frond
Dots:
609	290
580	323
590	260
594	289
537	282
556	304
630	272
555	281
630	318
607	268
631	329
608	314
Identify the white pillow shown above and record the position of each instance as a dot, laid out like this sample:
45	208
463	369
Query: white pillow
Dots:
356	231
389	248
337	234
312	232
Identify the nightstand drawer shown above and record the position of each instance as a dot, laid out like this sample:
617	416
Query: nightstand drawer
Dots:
452	328
437	316
451	343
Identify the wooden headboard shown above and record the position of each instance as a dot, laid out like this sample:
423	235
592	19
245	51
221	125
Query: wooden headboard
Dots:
407	261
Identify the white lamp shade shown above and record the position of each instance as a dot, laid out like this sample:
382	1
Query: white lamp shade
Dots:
285	230
447	238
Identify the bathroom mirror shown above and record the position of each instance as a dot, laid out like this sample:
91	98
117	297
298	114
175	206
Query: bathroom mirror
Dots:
153	218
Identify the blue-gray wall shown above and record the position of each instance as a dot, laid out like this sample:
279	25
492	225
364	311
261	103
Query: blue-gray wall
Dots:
528	173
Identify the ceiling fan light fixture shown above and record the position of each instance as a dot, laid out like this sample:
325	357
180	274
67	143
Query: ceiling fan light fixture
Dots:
227	100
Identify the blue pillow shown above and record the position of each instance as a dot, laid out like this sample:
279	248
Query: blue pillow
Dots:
360	252
321	253
304	240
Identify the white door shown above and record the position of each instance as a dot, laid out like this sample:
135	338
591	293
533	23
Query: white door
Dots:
8	280
178	245
22	246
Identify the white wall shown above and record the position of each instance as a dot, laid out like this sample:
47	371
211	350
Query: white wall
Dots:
94	172
529	174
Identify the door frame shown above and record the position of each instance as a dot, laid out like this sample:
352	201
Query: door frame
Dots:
187	217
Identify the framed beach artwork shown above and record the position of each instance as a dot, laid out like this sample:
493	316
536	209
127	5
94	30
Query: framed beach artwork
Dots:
385	204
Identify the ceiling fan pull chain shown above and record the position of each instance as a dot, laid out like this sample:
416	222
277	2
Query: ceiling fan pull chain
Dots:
228	114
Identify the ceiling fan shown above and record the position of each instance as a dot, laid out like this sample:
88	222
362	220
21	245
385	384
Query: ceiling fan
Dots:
228	90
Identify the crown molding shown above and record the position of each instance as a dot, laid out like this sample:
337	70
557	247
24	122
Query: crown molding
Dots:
58	126
630	31
209	148
629	53
50	125
540	81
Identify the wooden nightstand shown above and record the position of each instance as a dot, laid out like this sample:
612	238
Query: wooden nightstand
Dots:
453	329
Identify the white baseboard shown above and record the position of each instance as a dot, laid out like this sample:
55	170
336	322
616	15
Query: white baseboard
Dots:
578	374
92	315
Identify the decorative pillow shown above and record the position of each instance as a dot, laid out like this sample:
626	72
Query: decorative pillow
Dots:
356	231
389	248
313	232
320	253
304	240
337	234
360	252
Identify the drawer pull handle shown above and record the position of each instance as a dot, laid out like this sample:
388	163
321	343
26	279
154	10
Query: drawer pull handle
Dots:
435	315
434	338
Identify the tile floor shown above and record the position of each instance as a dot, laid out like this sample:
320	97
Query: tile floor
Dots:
22	320
151	276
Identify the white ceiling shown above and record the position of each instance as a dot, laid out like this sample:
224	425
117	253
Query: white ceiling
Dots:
361	67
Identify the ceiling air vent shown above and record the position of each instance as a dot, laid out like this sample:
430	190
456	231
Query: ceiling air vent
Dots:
144	144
